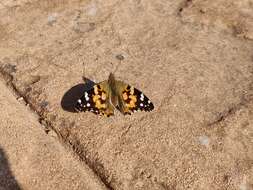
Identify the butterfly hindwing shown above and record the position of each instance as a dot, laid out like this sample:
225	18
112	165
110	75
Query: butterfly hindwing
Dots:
96	100
132	100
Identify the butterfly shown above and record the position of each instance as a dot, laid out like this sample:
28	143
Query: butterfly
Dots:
104	97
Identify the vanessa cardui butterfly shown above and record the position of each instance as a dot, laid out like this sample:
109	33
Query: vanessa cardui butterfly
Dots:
105	96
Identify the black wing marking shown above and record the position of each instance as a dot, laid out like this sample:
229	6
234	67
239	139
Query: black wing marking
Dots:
96	101
86	103
134	100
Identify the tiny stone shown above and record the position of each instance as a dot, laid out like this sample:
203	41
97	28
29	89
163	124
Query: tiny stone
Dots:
244	185
92	10
204	140
51	19
139	184
9	68
20	98
82	27
120	57
44	104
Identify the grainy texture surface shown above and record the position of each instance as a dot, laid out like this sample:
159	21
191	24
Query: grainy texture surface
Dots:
194	59
31	159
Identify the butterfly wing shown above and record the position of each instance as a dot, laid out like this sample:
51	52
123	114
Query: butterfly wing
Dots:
132	99
96	100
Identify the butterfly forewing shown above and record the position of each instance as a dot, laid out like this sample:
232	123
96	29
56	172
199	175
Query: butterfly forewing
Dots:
132	100
96	100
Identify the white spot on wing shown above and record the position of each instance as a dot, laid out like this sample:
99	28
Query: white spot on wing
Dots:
88	104
87	98
149	102
79	101
142	97
141	104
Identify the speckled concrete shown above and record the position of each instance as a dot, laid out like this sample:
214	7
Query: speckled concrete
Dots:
32	159
193	59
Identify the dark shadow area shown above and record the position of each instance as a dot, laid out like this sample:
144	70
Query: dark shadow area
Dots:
70	98
7	180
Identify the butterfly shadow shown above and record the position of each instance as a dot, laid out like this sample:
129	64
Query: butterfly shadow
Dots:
69	99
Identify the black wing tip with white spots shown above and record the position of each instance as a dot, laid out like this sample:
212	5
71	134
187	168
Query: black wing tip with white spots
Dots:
82	107
85	103
143	103
135	101
79	105
150	106
94	100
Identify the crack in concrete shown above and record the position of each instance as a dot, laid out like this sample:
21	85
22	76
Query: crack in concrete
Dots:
222	116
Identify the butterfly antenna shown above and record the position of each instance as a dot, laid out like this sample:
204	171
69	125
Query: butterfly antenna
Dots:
117	66
83	73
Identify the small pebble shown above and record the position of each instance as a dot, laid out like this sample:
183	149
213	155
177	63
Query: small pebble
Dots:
51	19
120	57
92	9
20	98
44	104
244	185
82	27
204	140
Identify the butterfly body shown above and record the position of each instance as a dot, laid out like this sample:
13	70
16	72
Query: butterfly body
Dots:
105	96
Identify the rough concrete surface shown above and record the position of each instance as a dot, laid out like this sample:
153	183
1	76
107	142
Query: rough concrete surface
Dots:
193	58
31	159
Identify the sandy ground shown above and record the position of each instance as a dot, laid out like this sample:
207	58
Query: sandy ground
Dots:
192	58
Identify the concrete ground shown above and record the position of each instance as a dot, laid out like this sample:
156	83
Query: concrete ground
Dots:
31	159
192	58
